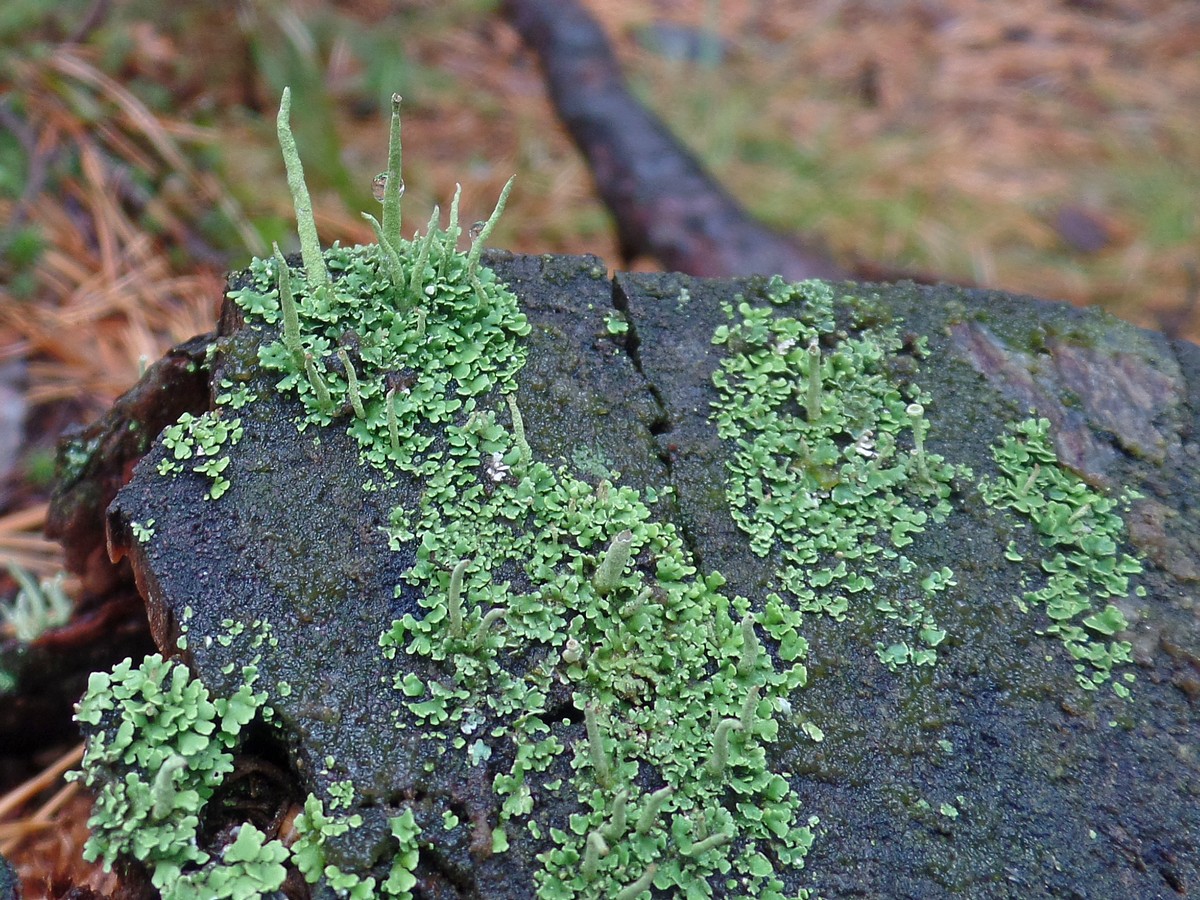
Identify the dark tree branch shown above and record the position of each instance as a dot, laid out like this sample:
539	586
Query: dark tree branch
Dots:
664	202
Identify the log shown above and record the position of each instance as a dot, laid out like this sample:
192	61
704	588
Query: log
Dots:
884	692
665	204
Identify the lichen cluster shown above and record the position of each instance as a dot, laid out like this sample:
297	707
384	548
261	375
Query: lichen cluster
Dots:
547	588
155	719
198	444
675	691
828	473
416	346
1081	530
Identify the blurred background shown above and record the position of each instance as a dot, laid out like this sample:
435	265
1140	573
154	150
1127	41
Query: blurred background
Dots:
1042	146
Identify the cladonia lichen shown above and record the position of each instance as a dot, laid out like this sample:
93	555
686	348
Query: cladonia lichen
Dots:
597	593
663	653
1080	530
158	747
536	578
828	471
829	475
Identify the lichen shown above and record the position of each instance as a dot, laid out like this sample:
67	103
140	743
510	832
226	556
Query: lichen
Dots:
196	444
828	472
158	748
663	657
1080	529
40	605
541	585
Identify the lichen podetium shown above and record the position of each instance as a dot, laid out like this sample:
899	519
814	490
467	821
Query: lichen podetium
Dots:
534	580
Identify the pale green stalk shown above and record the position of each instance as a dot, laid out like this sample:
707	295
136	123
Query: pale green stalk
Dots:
518	427
592	853
306	224
393	189
352	385
395	269
750	647
287	306
720	752
600	761
813	403
612	566
639	887
417	283
320	388
455	598
654	805
393	425
485	232
616	826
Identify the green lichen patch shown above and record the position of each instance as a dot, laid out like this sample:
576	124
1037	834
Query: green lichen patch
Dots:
1081	530
655	659
315	829
569	701
565	625
533	579
195	443
249	867
828	471
158	747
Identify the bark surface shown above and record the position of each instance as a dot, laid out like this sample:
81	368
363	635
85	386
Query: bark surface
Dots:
990	773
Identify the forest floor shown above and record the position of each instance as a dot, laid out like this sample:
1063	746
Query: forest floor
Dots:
1042	147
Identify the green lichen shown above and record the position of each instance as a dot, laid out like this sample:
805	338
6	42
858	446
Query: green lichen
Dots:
39	605
1081	531
533	576
249	867
158	747
196	444
142	531
828	472
595	590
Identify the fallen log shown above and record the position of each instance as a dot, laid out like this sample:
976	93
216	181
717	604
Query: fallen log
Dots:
490	577
663	201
